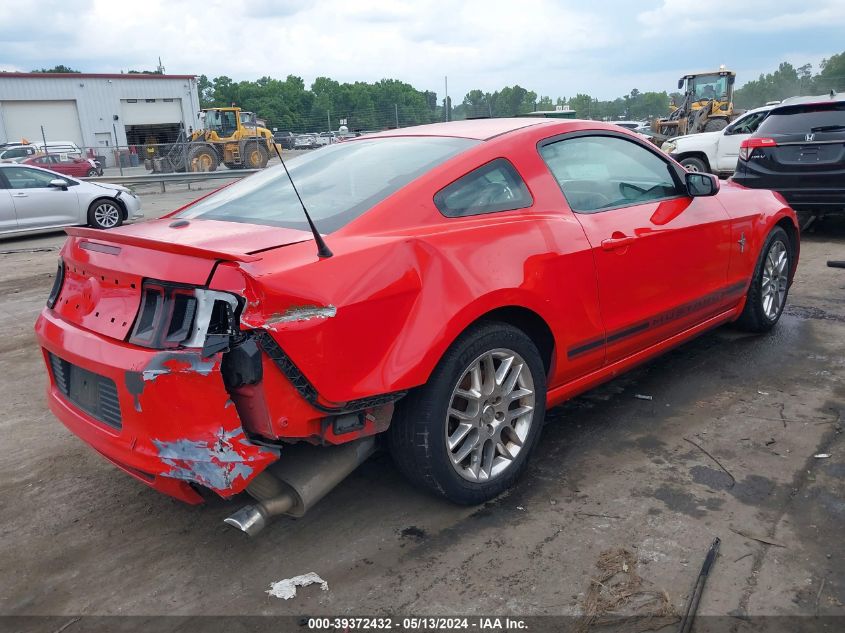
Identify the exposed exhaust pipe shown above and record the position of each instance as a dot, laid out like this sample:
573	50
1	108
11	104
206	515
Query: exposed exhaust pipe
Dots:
303	476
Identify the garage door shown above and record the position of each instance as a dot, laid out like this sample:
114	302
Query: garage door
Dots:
23	119
151	111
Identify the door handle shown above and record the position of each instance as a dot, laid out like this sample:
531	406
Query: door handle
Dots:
19	195
616	242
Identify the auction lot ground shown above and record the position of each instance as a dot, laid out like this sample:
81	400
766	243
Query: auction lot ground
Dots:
78	537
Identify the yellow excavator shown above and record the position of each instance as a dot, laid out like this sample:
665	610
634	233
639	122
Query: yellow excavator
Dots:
228	136
706	105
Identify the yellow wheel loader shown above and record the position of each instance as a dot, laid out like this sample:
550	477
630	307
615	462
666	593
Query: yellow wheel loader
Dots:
228	136
706	105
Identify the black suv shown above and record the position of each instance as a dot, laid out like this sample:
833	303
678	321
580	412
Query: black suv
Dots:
799	151
285	139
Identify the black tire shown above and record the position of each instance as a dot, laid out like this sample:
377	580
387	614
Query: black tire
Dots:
202	158
714	125
105	214
417	435
91	173
254	155
754	317
695	164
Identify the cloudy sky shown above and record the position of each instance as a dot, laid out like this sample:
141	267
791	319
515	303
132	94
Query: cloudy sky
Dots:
557	48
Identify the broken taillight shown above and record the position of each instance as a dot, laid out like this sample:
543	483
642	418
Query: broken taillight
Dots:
173	316
57	284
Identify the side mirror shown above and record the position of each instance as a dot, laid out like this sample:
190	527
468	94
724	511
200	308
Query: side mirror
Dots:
58	183
680	83
699	184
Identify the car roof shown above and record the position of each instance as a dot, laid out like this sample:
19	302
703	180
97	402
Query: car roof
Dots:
800	104
479	129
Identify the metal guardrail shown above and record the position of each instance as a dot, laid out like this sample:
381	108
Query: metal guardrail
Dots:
176	177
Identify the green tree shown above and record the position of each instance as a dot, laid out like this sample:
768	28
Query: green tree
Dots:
61	68
832	75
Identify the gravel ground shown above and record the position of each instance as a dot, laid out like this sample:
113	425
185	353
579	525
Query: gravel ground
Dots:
80	538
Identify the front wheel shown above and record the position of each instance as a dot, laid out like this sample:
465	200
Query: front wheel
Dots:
92	172
694	164
255	155
467	433
770	285
105	214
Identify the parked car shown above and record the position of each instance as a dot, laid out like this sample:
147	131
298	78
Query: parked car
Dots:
799	151
631	125
715	152
286	139
305	141
472	274
34	199
67	165
16	153
326	138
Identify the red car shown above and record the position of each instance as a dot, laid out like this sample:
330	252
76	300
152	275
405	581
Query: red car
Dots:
472	274
68	165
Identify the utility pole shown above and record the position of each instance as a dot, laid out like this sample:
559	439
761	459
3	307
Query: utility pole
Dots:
396	110
117	148
446	101
329	119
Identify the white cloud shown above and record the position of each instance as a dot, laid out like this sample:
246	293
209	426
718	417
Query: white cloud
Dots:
554	47
477	43
682	17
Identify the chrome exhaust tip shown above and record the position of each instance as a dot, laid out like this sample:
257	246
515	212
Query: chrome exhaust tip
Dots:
249	519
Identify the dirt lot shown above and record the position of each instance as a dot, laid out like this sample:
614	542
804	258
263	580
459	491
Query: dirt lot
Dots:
77	537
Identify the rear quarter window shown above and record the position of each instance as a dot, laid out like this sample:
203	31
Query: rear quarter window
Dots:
491	188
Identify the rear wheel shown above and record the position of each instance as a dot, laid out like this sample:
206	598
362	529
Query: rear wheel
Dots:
694	164
770	285
202	158
105	214
467	433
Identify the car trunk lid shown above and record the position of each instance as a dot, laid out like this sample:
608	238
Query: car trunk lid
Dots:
104	270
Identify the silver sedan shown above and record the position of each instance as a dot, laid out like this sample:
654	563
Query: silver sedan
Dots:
34	199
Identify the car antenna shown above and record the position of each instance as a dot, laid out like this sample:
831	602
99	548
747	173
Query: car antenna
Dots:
323	250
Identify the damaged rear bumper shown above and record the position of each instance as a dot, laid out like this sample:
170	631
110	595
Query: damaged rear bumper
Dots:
175	423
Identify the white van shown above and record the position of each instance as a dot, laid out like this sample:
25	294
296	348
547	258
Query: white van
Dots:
15	153
59	147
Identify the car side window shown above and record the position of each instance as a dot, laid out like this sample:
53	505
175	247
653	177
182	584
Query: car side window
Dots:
747	124
23	178
491	188
598	172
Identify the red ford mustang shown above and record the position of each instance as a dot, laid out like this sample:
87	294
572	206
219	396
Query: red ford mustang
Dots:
473	274
70	165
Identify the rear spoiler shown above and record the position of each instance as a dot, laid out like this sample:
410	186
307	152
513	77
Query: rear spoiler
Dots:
107	237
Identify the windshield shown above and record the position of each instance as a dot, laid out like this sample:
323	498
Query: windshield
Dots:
708	86
338	183
220	121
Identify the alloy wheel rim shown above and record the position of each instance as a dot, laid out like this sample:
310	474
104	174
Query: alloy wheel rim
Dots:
106	215
490	414
775	280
